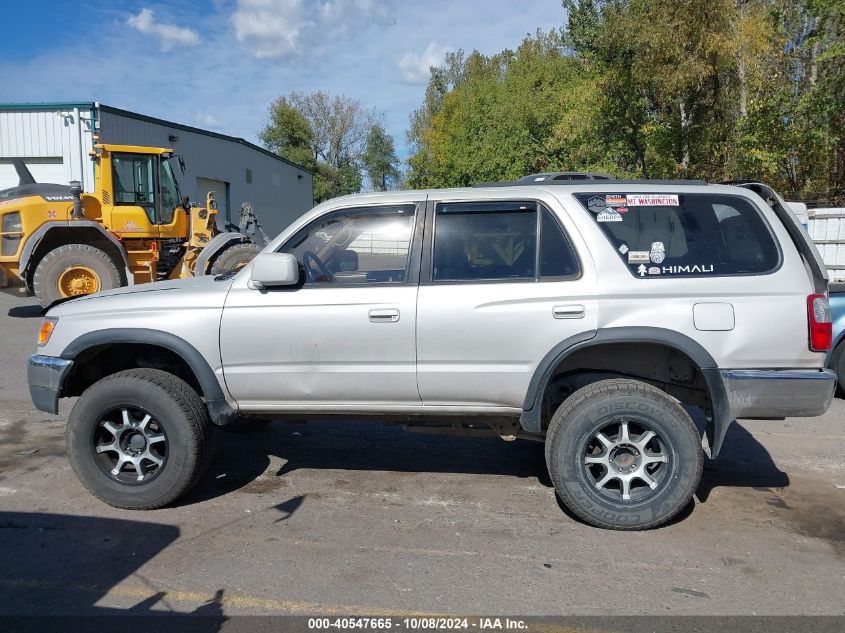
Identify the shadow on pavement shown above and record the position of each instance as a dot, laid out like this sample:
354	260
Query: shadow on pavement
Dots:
243	457
743	462
351	445
63	565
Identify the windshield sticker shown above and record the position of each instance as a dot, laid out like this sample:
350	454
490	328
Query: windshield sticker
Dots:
652	200
658	252
596	204
654	270
681	270
623	249
635	257
621	209
609	215
615	200
641	270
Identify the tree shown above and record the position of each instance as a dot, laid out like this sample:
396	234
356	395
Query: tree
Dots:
324	133
289	134
380	160
712	89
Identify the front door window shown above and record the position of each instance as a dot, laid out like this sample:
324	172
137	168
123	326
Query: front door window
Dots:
134	182
357	245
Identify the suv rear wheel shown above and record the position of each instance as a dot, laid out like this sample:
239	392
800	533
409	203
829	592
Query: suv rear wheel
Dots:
138	439
623	455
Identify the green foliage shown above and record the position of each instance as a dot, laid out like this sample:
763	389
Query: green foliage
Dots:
328	135
714	89
380	160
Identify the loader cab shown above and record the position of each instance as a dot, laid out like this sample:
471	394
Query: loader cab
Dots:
139	192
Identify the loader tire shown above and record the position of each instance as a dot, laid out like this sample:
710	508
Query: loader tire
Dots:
73	270
234	258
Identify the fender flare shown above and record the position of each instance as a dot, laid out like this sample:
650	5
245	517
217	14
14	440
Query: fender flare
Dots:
220	411
716	430
35	239
214	246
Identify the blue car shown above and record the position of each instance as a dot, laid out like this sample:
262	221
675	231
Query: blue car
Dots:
836	356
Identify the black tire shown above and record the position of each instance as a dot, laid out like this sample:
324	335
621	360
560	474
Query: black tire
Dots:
176	412
572	440
837	364
45	280
234	258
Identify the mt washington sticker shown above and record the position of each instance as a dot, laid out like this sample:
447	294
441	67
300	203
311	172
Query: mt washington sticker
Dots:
652	200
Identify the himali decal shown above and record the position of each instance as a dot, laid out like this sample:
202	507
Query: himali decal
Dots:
697	268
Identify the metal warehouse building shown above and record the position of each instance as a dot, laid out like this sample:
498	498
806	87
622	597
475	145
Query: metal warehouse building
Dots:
54	139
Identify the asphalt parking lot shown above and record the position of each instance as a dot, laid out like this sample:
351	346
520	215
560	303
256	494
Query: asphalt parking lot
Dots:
339	518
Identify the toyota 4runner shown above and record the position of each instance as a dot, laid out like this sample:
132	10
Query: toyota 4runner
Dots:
593	316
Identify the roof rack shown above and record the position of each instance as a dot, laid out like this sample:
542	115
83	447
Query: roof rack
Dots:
581	177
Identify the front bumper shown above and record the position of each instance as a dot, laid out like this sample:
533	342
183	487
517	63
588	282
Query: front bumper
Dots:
46	375
778	393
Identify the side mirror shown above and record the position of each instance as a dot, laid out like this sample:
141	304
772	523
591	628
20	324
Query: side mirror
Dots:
269	270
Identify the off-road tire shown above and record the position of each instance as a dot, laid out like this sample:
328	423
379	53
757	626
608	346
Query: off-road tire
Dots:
178	410
585	413
234	258
47	272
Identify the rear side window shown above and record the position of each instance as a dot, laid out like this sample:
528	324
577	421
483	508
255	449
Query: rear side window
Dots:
685	235
477	241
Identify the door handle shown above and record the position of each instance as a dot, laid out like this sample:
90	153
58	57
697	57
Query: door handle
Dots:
573	311
388	315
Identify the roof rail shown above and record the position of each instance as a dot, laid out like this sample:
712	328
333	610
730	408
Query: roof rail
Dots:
558	177
581	177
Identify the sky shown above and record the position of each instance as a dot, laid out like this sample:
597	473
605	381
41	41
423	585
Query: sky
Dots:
218	64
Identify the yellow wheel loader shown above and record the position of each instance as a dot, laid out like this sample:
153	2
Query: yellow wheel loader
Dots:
58	241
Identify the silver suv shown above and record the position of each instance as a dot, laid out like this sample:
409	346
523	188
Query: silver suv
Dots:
596	317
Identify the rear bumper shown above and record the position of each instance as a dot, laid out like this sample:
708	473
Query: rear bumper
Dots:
779	393
45	375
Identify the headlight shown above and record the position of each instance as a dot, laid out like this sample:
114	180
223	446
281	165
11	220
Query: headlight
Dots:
11	234
46	330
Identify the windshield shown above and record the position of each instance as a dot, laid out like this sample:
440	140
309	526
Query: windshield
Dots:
170	198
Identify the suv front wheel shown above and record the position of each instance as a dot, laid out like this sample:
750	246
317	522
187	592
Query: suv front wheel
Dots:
138	439
623	455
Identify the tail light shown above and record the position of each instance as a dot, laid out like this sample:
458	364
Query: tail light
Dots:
821	327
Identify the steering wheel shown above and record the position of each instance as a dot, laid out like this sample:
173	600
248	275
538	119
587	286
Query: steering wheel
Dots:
326	275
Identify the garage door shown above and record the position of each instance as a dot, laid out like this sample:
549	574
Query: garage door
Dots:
221	195
42	169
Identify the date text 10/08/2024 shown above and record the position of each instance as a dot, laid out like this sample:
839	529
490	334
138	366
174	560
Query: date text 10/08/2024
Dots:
417	623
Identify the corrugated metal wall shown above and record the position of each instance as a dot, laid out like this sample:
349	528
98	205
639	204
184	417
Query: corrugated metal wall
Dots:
279	192
827	230
60	133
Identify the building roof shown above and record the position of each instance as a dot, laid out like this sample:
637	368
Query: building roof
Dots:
91	105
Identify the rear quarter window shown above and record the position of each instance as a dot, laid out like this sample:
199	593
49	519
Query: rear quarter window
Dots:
685	234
